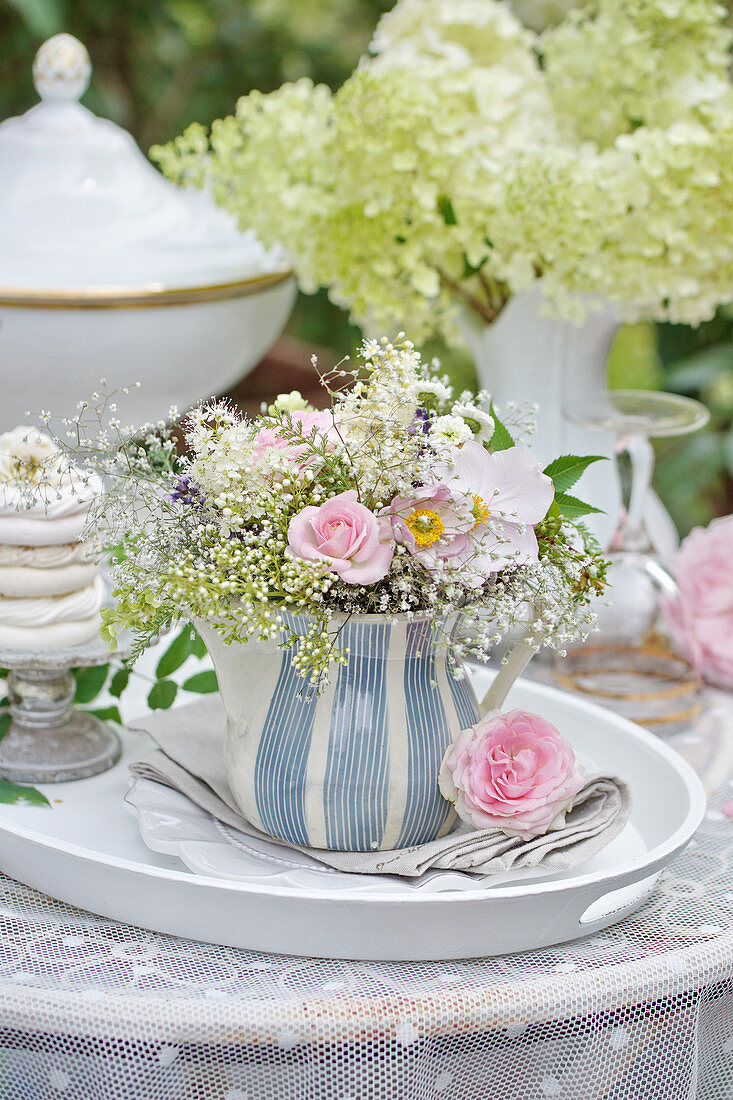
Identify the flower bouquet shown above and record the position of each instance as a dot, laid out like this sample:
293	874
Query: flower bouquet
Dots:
326	558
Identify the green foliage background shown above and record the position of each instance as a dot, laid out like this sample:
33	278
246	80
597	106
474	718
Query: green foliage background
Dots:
160	64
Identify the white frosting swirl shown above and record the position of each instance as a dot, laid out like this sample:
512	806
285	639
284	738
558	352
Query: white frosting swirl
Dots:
21	530
42	611
53	636
48	557
21	582
73	493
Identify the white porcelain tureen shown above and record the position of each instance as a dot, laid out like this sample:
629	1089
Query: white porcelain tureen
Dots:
109	271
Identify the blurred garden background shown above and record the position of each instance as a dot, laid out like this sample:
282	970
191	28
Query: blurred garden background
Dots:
161	64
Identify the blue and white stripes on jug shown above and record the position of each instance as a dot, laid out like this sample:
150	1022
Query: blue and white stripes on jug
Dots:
355	768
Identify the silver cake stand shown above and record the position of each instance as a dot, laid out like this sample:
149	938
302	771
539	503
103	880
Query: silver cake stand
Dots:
49	740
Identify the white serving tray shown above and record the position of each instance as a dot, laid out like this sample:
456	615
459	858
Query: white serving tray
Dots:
89	852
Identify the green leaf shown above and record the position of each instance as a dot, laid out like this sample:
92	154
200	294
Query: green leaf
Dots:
566	469
572	508
177	652
445	206
5	721
501	440
198	646
469	269
107	714
162	695
116	554
202	682
119	682
89	682
11	792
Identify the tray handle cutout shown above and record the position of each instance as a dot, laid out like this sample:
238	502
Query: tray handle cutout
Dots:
624	898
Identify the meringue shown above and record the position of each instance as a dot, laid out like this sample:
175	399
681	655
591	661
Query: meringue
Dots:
53	636
50	589
27	581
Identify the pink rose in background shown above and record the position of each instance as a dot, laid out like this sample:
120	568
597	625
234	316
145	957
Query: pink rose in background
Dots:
431	523
323	422
511	771
357	545
702	620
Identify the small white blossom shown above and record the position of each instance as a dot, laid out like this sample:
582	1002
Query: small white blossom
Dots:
288	402
449	431
480	417
432	386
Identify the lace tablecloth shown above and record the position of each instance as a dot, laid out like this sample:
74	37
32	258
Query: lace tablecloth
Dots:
93	1010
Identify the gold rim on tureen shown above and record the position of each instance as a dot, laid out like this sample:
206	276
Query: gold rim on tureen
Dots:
121	297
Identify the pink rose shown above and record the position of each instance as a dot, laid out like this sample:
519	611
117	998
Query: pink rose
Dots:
702	620
513	772
357	545
323	422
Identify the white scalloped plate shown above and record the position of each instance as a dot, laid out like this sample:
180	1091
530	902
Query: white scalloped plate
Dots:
171	824
89	852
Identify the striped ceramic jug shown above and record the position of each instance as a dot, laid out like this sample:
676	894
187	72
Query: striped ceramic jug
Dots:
355	768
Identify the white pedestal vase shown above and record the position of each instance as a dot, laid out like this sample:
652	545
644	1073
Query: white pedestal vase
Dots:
527	358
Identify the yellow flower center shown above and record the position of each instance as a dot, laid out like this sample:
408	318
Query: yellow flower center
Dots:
480	510
426	526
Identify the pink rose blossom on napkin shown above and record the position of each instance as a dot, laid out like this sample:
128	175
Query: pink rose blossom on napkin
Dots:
356	544
702	620
514	772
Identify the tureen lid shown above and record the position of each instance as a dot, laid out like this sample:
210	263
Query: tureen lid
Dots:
85	213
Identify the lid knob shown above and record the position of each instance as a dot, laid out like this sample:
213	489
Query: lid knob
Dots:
62	68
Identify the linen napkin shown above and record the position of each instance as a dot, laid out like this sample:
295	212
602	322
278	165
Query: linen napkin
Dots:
190	759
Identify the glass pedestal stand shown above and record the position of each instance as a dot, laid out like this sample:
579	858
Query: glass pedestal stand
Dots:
630	663
49	740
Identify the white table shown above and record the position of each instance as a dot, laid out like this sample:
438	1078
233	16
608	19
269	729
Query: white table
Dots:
91	1010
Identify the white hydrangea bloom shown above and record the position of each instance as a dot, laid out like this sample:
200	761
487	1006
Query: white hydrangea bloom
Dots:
452	169
540	14
452	34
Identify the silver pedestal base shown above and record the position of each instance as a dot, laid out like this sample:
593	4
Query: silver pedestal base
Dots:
76	749
48	739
